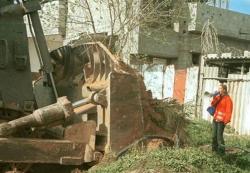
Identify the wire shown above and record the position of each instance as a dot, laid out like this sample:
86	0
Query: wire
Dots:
143	138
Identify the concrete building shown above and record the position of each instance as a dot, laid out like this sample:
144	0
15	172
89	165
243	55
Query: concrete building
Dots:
219	3
184	43
178	43
53	18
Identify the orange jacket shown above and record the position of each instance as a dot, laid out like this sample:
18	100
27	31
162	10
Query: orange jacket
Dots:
224	109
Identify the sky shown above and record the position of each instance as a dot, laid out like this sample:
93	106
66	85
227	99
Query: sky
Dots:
242	6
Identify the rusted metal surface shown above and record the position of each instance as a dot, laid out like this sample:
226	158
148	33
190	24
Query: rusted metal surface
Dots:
85	133
77	147
41	151
84	108
68	71
54	114
124	118
82	132
114	88
123	115
120	120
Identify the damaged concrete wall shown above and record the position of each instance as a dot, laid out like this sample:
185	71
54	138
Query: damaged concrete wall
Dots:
164	82
78	19
53	23
159	44
159	79
232	27
102	17
172	42
191	85
184	37
228	23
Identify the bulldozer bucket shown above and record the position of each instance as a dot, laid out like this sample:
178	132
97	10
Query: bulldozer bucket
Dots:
120	120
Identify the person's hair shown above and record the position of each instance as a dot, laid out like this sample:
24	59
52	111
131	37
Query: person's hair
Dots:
224	88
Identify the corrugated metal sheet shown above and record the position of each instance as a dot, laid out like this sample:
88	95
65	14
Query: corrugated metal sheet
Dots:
227	56
191	86
159	79
169	76
164	80
153	78
209	86
238	90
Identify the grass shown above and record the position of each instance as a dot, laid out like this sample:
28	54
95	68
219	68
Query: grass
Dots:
193	159
171	160
200	132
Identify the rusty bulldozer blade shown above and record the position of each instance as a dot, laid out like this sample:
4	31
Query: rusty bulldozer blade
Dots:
123	120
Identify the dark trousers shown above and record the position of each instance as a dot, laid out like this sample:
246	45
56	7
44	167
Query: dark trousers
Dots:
218	144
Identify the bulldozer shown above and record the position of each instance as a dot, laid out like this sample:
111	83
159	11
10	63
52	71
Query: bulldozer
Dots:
86	102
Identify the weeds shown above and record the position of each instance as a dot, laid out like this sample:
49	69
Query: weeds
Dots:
200	132
172	160
190	159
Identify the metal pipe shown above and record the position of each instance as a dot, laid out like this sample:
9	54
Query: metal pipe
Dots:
54	114
84	108
81	102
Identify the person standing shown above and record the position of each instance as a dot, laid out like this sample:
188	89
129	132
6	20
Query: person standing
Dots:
222	116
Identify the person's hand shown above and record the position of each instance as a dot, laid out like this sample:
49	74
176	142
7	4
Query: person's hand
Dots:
206	93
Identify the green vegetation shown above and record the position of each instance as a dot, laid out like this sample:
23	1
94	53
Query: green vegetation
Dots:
195	158
200	132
